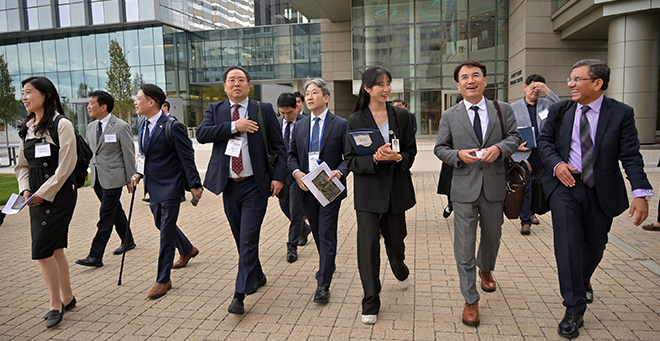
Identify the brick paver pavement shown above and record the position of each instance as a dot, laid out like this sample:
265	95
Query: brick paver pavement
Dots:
526	305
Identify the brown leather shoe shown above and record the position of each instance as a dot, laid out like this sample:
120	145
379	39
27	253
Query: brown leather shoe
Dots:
487	281
183	260
525	230
535	220
471	314
159	290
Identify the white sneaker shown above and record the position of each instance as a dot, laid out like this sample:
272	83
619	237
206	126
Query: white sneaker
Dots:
405	283
369	319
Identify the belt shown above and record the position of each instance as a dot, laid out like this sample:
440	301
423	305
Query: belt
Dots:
241	179
577	175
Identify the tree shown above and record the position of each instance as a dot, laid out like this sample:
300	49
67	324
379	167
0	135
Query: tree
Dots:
8	106
137	81
119	81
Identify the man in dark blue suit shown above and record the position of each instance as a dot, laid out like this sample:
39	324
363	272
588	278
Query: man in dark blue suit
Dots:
239	169
291	205
320	138
583	145
169	171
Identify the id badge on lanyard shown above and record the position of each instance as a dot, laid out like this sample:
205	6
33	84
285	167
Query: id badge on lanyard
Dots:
314	162
140	164
42	150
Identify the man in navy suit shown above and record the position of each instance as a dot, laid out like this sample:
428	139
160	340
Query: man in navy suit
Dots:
581	147
292	205
239	169
168	171
316	139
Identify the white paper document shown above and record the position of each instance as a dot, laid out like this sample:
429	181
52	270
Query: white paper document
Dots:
323	190
15	204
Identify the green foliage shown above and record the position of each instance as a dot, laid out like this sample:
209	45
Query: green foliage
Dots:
8	185
8	106
119	82
137	81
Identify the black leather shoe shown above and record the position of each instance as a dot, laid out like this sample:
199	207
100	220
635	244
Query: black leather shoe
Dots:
322	295
446	212
589	293
291	255
90	261
120	249
568	327
145	199
236	306
54	317
69	306
259	283
302	241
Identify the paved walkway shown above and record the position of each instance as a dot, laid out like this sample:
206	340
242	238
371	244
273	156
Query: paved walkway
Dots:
526	306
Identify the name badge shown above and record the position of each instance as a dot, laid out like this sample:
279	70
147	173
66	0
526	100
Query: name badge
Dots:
109	138
314	161
543	114
234	147
395	145
42	150
140	164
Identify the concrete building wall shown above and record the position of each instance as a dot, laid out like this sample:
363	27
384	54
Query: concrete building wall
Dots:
337	64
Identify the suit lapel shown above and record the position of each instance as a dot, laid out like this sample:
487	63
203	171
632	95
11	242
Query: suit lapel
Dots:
327	128
301	128
493	120
603	120
108	128
567	128
465	121
158	129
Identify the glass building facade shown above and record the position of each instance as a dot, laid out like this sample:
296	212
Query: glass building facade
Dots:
422	41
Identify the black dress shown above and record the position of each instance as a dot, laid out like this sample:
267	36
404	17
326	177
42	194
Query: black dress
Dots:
49	222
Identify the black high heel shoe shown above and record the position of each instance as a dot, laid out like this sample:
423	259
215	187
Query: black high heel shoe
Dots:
69	306
54	317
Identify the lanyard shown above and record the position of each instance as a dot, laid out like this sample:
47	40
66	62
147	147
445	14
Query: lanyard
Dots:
320	133
144	129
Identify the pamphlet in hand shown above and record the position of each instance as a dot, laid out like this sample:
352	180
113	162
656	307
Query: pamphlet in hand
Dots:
366	141
528	135
15	204
323	190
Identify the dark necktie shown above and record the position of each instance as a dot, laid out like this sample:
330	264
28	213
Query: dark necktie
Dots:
146	137
587	150
99	132
476	124
237	162
287	135
315	136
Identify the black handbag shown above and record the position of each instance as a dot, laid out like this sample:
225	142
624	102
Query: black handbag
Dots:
540	204
270	153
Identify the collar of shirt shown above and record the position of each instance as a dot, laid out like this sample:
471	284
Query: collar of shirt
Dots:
593	106
321	121
284	122
241	110
153	120
104	121
481	105
530	105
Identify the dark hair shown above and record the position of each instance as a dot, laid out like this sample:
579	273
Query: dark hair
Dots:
470	63
103	98
399	100
534	78
297	94
459	99
166	104
235	67
597	70
369	79
286	99
52	106
154	92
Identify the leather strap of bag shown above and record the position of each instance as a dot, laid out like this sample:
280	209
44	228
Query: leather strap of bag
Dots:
506	164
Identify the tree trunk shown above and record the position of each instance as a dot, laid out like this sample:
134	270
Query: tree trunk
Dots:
7	132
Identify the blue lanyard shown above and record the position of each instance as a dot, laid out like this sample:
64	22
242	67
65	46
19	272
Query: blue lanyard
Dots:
144	129
320	133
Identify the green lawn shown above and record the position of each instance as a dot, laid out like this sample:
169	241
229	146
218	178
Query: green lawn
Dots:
9	185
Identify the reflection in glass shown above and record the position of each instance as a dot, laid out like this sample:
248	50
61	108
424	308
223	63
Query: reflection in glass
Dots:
11	57
13	21
92	80
103	50
33	19
430	38
300	49
75	53
24	58
65	84
50	60
375	12
132	47
146	46
377	45
158	45
402	47
427	11
89	52
77	14
132	10
401	12
97	13
45	18
65	16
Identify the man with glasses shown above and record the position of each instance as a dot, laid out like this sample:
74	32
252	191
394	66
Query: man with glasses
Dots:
239	169
581	145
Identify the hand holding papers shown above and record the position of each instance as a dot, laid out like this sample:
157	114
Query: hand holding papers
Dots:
324	190
15	204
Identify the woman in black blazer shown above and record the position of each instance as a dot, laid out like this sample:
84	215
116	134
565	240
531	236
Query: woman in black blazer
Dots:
383	186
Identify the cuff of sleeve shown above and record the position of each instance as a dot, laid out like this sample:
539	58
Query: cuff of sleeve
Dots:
233	128
554	170
639	193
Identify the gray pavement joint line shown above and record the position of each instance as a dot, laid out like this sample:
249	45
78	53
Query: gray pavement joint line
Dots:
634	254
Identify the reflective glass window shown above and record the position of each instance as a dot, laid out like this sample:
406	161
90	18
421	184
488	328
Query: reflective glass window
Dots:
147	8
427	11
43	2
33	19
160	76
456	47
377	45
230	52
11	4
64	89
103	78
24	58
300	49
248	52
13	22
375	12
3	21
119	37
282	50
50	56
97	13
301	70
430	70
75	53
11	57
79	88
45	17
148	74
402	46
358	46
62	52
132	10
430	38
454	10
132	47
77	14
158	45
146	39
315	48
111	11
31	3
102	50
65	16
89	52
358	16
91	80
401	12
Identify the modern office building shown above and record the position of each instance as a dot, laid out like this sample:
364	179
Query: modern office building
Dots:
184	46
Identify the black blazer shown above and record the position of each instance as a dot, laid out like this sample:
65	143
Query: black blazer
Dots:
377	187
216	128
616	139
332	146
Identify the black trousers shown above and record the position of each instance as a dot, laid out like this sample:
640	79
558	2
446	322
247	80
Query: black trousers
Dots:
580	236
110	214
323	221
370	227
292	208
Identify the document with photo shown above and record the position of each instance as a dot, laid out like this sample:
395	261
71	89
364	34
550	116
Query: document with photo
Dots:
15	204
323	190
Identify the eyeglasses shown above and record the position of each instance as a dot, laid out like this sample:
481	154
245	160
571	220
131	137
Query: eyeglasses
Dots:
577	80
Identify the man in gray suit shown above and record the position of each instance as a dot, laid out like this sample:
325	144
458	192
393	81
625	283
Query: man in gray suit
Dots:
292	206
531	111
470	139
112	165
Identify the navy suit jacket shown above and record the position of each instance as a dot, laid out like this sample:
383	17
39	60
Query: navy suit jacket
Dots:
216	128
169	171
331	151
616	140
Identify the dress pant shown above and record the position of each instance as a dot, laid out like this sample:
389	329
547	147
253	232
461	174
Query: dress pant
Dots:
370	226
166	214
489	216
323	221
245	208
580	236
110	213
526	211
293	209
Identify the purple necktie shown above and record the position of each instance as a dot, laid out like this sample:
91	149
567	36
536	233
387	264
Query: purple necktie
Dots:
587	150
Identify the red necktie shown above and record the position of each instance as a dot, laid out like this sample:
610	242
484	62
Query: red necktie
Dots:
236	162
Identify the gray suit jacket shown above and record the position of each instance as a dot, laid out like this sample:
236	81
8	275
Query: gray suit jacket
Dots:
522	117
456	133
113	162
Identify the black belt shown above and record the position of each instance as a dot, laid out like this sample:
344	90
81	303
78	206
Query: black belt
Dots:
241	179
577	176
